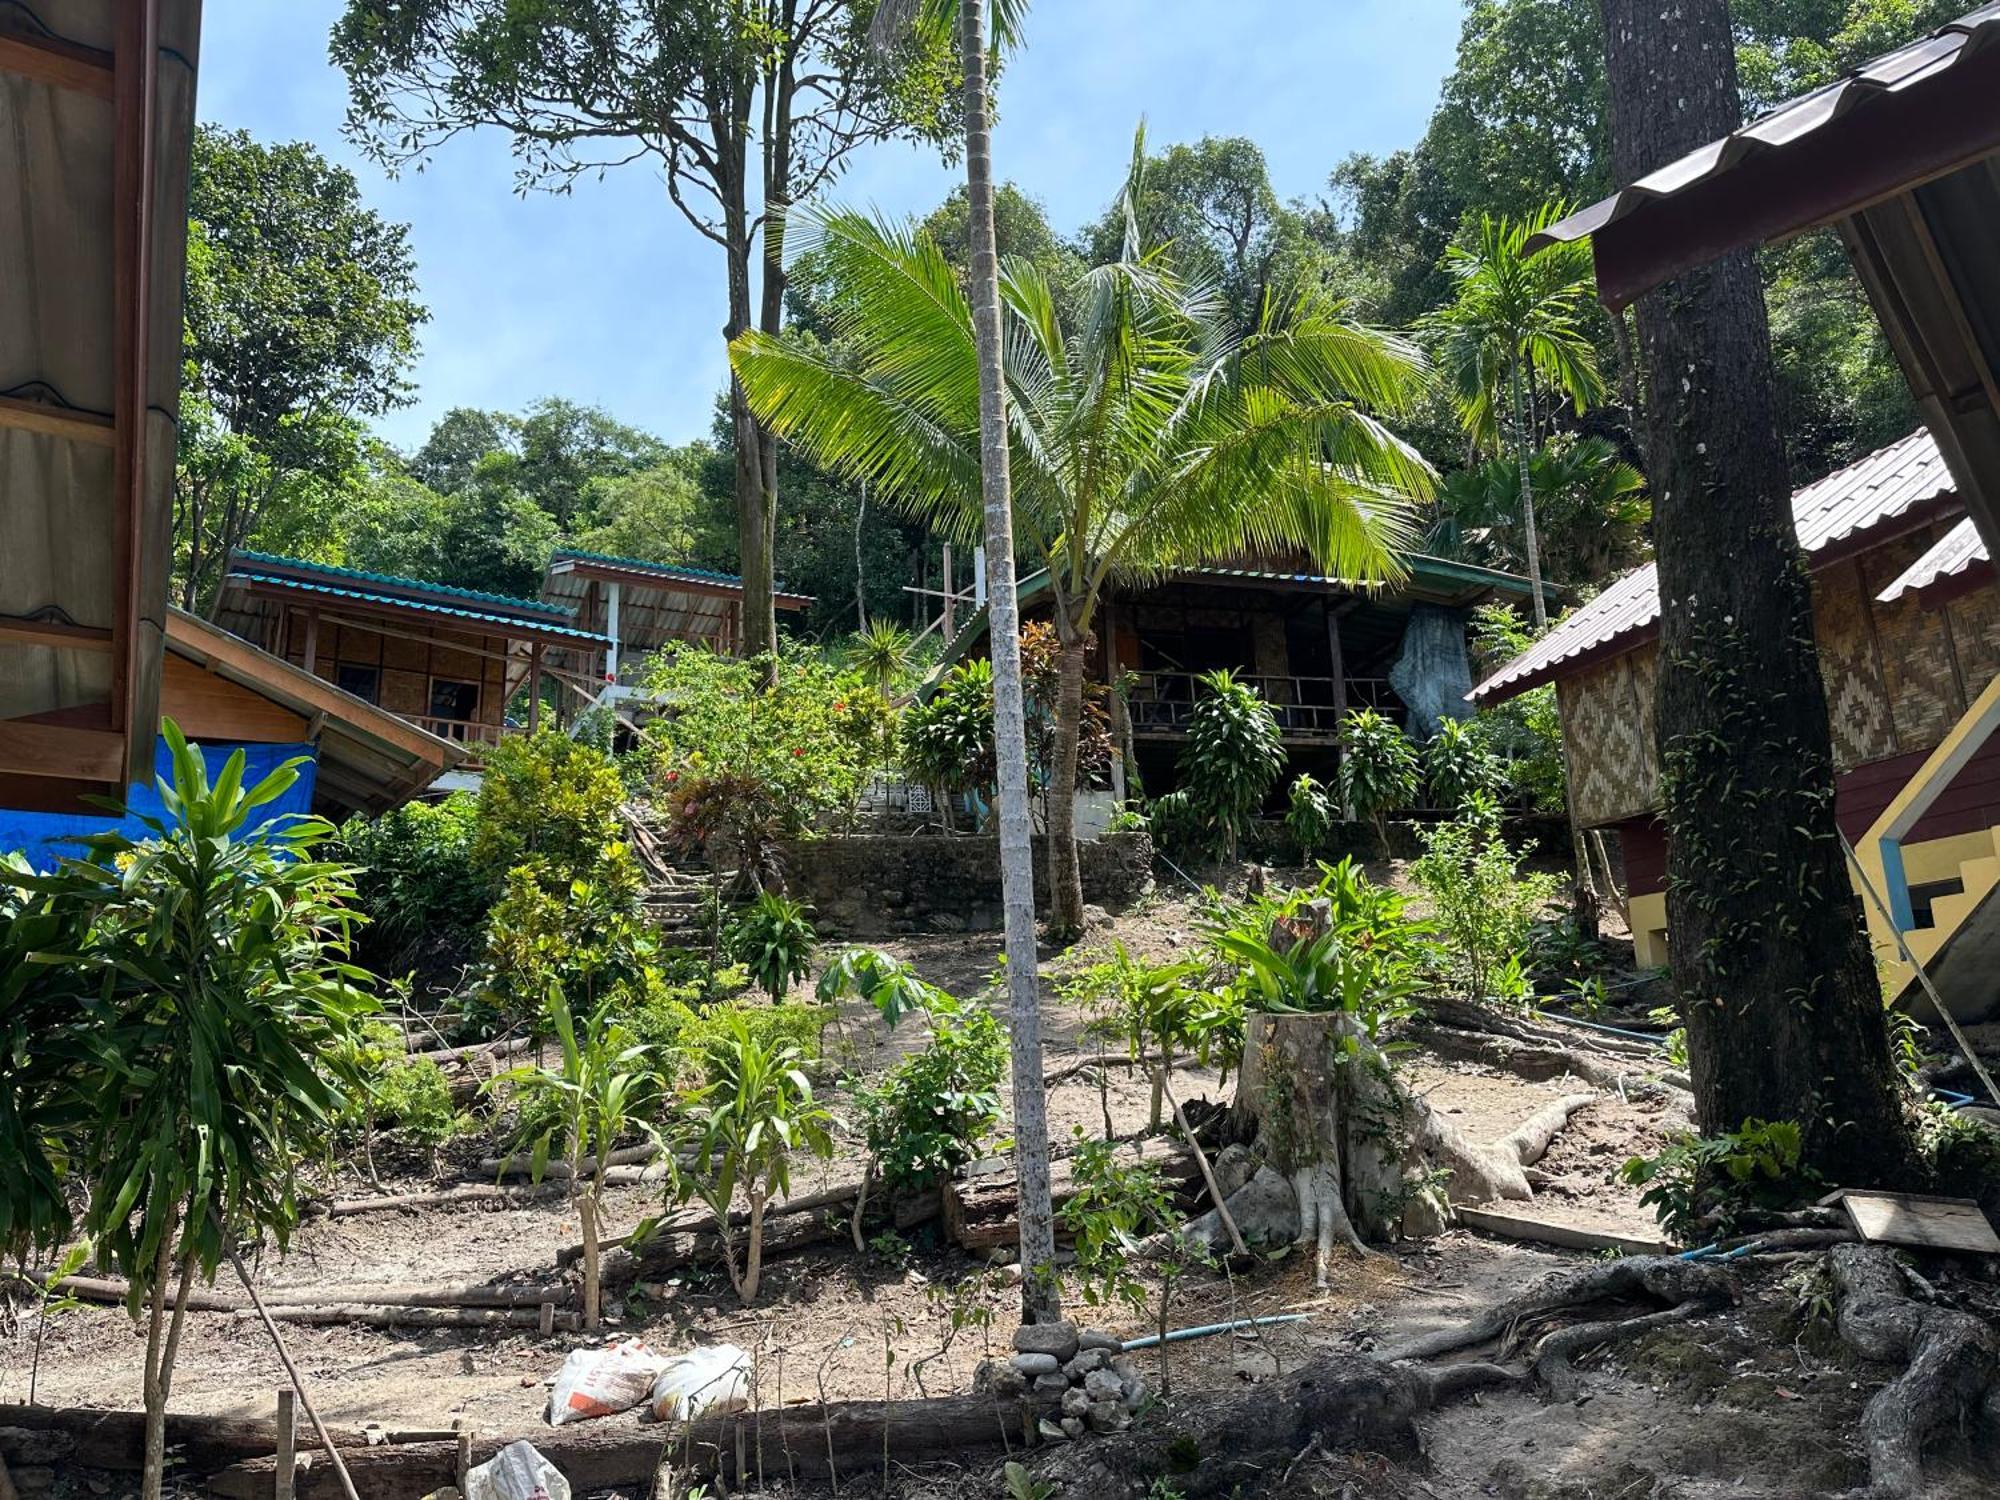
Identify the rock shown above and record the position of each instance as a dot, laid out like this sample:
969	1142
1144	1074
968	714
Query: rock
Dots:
1036	1364
946	921
1003	1255
1107	1417
1009	1274
1050	1385
1126	1369
1051	1431
33	1479
1074	1426
1075	1403
1103	1385
1091	1338
1266	1210
1058	1339
1096	916
1085	1361
1235	1165
991	1377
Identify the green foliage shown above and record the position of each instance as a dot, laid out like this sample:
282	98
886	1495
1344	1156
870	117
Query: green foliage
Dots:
773	938
884	654
585	937
680	1028
549	802
741	1127
1698	1185
415	1096
1483	905
415	882
1963	1153
947	738
1345	944
1676	1038
1021	1485
1459	766
1309	815
1114	1204
1159	1011
1591	512
933	1111
1379	768
1233	754
1525	732
301	319
602	1086
761	750
213	953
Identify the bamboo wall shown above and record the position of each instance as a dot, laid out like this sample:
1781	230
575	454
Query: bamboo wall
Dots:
1898	676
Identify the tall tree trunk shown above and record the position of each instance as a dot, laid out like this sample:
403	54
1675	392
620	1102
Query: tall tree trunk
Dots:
1040	1295
1784	1013
1530	541
1065	869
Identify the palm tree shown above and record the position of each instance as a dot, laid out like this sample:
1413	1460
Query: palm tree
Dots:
1146	435
1591	514
882	653
1515	329
970	23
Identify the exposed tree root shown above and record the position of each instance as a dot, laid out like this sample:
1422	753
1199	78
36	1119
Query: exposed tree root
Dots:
1243	1441
1952	1374
1643	1283
1542	1061
1484	1171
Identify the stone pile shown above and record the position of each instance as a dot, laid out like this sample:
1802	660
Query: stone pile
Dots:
1092	1384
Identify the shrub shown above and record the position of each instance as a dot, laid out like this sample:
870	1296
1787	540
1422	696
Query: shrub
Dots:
1365	962
743	1124
773	939
1309	815
928	1117
415	880
1179	825
1525	732
680	1026
1155	1009
415	1096
1459	765
1378	769
583	934
549	802
752	752
1701	1185
1232	756
1484	906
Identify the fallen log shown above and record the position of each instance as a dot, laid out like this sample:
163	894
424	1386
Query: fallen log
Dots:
87	1438
368	1316
700	1220
843	1440
982	1204
342	1208
663	1253
475	1052
115	1290
523	1166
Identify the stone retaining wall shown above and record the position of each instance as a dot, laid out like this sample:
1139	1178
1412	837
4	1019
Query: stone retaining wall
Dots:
882	885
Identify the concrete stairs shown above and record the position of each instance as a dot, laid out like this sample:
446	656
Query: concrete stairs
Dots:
1960	950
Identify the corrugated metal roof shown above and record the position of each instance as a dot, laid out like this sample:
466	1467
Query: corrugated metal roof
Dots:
1882	487
513	623
391	580
1892	73
668	570
1958	550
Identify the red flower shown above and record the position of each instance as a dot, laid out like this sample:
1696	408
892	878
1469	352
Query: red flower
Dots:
796	751
673	776
840	707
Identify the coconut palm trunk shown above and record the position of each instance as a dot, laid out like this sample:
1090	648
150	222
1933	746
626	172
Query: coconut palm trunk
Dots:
1529	540
1040	1300
1065	866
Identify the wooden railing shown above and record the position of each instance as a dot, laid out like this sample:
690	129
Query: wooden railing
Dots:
1305	706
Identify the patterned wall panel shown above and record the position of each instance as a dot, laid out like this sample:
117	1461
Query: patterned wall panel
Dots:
1975	633
1857	705
1918	673
1608	724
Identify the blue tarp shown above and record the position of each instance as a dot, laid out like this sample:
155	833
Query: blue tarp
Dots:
45	837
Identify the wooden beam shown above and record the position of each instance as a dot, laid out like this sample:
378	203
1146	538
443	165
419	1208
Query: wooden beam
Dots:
60	64
54	633
58	750
50	420
535	688
312	643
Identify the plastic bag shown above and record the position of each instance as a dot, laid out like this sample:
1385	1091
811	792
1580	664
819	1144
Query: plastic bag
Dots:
702	1381
516	1472
602	1382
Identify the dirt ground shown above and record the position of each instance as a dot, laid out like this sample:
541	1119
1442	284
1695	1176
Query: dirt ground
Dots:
1727	1410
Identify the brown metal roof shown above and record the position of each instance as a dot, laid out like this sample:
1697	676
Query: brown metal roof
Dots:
1917	112
1959	554
1895	483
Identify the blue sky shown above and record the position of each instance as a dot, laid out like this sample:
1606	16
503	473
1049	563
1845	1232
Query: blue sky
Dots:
608	297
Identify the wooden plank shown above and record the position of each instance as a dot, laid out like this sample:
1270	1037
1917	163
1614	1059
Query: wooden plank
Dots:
54	633
1564	1236
1920	1220
50	420
58	750
63	65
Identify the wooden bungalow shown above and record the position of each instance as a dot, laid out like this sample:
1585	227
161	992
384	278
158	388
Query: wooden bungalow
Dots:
640	606
447	660
1314	646
96	117
1909	645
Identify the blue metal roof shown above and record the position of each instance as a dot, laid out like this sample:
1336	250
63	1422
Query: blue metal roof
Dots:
397	601
664	570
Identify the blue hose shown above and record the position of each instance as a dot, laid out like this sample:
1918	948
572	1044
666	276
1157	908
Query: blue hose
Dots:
1643	1036
1153	1340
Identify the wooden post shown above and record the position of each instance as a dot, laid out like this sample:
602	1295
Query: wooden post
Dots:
288	1444
535	688
312	642
950	619
1338	667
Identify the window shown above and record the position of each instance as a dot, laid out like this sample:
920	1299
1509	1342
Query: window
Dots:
454	702
363	682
